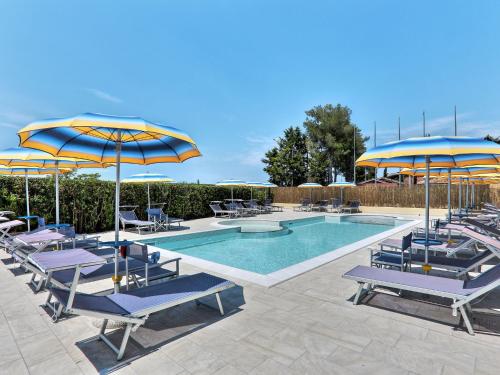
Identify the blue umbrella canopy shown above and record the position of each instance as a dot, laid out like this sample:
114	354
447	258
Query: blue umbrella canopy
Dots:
448	152
444	172
147	178
92	136
110	139
310	185
231	183
30	171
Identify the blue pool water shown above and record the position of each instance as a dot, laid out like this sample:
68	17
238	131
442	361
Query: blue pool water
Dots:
264	253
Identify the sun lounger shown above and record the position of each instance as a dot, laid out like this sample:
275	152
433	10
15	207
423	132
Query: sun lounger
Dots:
130	218
135	306
320	206
305	205
5	228
461	292
489	229
218	210
354	206
31	243
268	203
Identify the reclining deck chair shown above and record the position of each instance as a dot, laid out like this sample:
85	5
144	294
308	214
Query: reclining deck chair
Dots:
130	218
134	307
462	293
218	210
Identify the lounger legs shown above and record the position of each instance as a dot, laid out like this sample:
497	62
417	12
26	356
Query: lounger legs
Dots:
221	309
465	317
359	293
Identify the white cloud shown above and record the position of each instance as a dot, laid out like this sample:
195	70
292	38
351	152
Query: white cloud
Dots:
257	147
104	95
9	125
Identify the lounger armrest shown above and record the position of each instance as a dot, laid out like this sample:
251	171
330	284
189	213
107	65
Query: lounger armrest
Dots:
177	260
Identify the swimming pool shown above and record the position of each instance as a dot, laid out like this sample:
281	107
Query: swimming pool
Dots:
271	251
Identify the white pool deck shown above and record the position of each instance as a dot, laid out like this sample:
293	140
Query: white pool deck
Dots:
305	325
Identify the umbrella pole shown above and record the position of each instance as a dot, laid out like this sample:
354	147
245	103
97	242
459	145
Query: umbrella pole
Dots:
427	203
473	198
117	210
149	200
460	195
341	195
27	200
449	195
251	193
57	192
467	195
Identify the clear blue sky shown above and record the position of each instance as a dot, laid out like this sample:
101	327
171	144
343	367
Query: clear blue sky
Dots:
234	74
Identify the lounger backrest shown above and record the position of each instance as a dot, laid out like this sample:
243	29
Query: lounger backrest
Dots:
483	279
406	241
68	232
41	222
128	215
215	207
335	202
484	227
138	251
155	212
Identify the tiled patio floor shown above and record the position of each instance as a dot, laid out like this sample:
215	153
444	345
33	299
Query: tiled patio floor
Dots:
306	325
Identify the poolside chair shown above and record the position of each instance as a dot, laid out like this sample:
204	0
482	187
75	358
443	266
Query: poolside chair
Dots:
336	205
353	207
251	204
491	230
130	218
268	204
218	210
161	219
320	206
134	307
461	292
305	205
238	207
404	259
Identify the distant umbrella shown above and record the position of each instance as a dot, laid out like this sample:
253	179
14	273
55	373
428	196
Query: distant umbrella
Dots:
147	178
29	171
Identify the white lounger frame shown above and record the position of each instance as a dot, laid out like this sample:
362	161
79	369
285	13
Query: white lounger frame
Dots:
134	321
460	302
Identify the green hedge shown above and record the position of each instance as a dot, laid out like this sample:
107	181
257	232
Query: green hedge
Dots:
88	202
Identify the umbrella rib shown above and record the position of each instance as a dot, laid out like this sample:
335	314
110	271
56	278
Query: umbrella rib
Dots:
170	147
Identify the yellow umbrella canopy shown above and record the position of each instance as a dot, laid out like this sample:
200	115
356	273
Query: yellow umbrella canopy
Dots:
26	157
110	139
30	171
447	152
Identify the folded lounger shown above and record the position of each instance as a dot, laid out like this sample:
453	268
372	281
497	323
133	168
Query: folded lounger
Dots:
462	292
134	307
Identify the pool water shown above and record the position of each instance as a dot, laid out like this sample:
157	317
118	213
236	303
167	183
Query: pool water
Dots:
264	253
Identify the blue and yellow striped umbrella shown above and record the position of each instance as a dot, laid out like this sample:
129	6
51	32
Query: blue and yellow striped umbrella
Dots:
458	172
110	139
310	185
342	185
29	171
27	157
449	152
94	137
147	178
231	183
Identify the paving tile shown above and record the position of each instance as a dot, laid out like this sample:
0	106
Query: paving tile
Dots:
273	367
9	351
280	349
16	367
311	364
40	347
59	364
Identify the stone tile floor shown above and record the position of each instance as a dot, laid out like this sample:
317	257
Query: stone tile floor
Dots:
306	325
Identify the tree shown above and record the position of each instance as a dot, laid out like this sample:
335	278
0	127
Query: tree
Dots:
333	134
492	138
318	165
286	164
